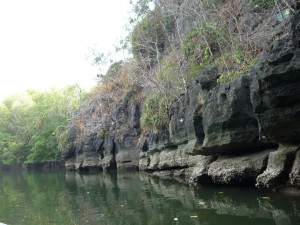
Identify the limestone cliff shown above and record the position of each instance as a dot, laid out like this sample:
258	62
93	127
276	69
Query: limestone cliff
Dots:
244	132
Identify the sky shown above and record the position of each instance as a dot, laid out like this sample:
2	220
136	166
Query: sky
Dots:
45	43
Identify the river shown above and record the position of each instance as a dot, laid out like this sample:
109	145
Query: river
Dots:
42	198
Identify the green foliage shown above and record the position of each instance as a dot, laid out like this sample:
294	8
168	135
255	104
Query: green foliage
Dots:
103	133
154	117
266	4
140	8
149	37
203	42
63	137
30	121
169	76
196	67
43	147
212	4
238	63
208	44
168	70
202	45
10	151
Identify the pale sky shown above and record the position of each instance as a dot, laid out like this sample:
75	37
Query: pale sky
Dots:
44	43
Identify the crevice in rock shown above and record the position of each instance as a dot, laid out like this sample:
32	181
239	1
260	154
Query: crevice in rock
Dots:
265	165
282	59
83	169
198	124
113	163
205	179
288	164
223	96
145	146
100	150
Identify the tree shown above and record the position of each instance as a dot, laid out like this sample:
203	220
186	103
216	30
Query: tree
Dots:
29	123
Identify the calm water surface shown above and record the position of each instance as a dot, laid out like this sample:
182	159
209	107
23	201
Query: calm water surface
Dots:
134	198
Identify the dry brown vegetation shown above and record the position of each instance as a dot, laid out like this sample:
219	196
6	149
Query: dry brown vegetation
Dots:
173	43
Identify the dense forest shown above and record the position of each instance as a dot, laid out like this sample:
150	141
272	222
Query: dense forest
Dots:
170	42
33	125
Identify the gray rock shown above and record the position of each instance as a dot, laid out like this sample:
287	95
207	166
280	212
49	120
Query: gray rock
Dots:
295	173
107	150
186	115
170	159
127	150
275	90
208	79
78	162
200	171
70	163
154	142
144	161
90	160
235	121
111	138
280	163
238	171
229	123
153	161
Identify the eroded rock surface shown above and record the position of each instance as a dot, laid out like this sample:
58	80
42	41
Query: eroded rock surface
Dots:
280	163
225	134
240	170
111	139
275	93
295	172
230	125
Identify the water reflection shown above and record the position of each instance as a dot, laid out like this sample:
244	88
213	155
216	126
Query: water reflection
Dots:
134	198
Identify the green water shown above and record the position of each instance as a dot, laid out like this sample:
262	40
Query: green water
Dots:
134	198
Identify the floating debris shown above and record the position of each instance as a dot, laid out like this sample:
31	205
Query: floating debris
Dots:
194	216
220	192
122	205
266	198
202	203
176	219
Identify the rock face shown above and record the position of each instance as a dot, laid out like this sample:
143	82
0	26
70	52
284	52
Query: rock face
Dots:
240	170
279	165
225	134
229	123
112	136
275	93
295	173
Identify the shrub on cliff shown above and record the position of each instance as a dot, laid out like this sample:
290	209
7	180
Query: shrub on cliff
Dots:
154	117
149	38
